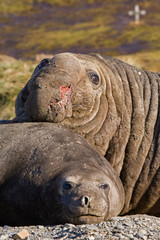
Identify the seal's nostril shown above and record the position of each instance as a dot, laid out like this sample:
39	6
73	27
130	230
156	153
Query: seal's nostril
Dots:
85	201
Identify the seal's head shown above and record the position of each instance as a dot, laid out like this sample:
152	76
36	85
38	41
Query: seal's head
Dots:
82	197
63	89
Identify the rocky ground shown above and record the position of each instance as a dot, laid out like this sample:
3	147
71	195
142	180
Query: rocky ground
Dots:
141	227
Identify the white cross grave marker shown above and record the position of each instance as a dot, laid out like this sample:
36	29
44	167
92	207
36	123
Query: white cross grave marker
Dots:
137	12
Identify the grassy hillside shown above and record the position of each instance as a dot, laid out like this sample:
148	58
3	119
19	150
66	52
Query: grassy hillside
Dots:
15	73
29	27
13	76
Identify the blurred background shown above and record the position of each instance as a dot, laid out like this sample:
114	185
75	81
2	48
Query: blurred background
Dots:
33	29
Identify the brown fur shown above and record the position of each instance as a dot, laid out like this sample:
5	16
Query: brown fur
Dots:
119	117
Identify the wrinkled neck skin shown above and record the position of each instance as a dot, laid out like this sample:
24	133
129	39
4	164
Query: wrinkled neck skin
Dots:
133	150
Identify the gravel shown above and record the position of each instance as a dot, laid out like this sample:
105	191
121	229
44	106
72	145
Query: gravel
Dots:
142	227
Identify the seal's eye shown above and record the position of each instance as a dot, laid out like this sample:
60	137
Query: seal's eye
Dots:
104	186
94	77
67	186
43	63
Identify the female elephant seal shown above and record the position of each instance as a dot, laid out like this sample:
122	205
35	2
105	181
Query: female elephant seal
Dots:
115	106
51	175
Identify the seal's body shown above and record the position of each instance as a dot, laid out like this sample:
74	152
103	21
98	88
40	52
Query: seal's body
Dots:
51	175
115	106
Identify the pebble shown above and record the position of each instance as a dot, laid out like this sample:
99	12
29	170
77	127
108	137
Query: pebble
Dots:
134	227
2	237
21	235
40	226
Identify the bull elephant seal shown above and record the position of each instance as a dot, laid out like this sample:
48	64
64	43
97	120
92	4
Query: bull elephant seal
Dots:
51	175
113	105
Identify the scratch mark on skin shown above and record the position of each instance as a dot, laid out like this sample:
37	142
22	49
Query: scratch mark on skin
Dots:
65	95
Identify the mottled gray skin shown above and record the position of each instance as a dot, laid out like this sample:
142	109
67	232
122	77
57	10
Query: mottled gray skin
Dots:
119	116
51	175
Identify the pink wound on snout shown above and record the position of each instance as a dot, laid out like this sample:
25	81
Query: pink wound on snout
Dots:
65	95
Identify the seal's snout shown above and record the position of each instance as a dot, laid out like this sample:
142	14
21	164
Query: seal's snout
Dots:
45	104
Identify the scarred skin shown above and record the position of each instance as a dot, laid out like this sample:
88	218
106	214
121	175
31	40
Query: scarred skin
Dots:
113	105
51	175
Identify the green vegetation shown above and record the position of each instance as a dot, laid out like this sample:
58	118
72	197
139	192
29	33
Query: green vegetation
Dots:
13	76
52	26
147	60
143	32
26	6
63	39
15	6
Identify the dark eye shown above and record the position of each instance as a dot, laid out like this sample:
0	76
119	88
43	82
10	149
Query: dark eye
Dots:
104	186
43	63
94	77
67	186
